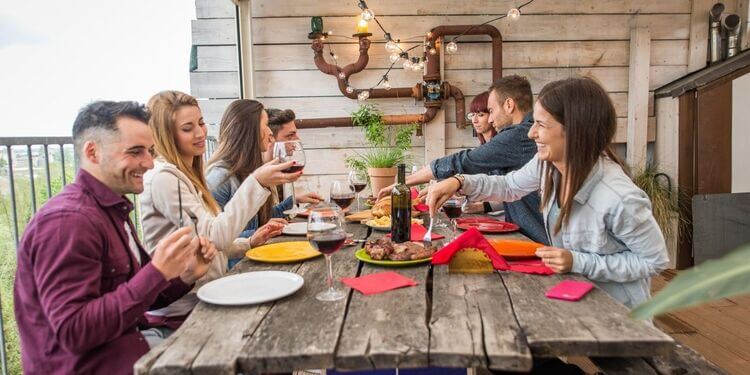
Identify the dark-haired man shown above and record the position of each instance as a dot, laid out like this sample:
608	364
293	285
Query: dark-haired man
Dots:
510	103
84	281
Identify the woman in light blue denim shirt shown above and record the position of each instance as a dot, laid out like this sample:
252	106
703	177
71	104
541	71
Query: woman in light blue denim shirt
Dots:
598	222
244	136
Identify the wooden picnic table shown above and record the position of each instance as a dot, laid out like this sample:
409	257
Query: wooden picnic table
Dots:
496	320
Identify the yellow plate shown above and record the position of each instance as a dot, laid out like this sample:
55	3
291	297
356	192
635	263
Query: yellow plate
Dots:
283	252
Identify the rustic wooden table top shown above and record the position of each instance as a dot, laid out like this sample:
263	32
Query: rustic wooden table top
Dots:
497	320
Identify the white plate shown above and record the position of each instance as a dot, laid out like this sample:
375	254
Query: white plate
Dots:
250	288
295	229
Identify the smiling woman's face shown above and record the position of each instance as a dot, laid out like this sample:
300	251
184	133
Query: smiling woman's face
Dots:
549	136
190	131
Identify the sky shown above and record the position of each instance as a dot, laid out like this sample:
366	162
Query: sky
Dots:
57	56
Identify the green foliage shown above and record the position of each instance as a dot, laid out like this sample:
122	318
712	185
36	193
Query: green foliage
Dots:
665	201
389	147
712	280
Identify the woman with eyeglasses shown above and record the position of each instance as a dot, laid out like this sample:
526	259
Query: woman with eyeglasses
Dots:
176	190
598	222
480	118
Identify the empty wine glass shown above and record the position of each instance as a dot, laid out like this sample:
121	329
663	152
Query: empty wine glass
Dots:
359	183
342	193
290	151
325	230
453	208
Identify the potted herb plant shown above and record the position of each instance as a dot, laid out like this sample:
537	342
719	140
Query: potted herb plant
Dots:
389	147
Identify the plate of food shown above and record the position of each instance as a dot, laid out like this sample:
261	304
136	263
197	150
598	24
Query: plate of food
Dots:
385	252
383	223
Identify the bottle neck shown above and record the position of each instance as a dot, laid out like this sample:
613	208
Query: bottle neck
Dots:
402	174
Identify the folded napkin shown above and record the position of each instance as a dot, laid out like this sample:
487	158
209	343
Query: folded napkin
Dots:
418	231
473	239
378	282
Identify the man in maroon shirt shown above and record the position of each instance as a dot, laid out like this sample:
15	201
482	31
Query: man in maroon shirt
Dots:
84	281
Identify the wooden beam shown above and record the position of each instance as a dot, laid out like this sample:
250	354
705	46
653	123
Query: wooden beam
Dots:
743	9
699	34
638	85
247	70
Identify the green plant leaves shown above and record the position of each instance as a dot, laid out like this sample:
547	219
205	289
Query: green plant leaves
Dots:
712	280
391	144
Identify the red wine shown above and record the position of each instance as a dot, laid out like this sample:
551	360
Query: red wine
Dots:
328	243
401	208
343	201
452	211
295	168
359	187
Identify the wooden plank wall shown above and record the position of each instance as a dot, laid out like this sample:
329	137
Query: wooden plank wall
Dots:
554	39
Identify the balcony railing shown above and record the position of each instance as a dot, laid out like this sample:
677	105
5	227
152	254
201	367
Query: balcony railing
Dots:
24	187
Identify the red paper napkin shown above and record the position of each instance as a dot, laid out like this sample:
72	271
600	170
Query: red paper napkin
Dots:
472	238
378	282
418	231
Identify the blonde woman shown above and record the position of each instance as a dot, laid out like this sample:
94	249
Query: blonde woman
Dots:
180	141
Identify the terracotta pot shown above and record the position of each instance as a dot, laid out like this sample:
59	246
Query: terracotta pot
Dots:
381	177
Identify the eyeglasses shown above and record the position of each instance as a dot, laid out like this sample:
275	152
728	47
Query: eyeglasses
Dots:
470	115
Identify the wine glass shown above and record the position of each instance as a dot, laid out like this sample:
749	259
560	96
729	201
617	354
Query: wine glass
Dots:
439	223
325	230
342	193
290	151
359	183
453	208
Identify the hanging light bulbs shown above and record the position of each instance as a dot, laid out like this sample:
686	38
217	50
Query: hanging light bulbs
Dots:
363	95
392	47
386	83
368	14
394	57
451	47
342	75
514	14
349	89
407	64
433	51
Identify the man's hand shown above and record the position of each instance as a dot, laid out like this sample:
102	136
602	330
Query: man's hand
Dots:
440	192
196	267
311	197
271	229
172	252
559	260
386	191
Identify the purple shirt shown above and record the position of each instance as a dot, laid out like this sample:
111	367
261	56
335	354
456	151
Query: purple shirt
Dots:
80	294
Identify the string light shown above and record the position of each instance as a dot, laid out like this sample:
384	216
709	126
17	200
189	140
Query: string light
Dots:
342	75
433	51
363	95
368	14
349	89
451	47
394	57
514	14
392	47
386	83
407	64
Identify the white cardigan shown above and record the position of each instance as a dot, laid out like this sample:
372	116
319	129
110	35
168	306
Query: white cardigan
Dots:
159	210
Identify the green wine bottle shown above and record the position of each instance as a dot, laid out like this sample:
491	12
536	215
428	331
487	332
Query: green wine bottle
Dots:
401	208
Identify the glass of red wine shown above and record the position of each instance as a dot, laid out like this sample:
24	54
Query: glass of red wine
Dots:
325	230
291	151
342	193
359	183
453	208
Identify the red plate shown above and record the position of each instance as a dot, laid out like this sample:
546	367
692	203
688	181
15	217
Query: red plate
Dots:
486	225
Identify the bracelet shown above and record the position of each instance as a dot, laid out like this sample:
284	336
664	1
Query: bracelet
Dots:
460	181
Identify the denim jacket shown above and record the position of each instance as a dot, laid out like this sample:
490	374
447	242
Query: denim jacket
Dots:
507	151
611	232
223	187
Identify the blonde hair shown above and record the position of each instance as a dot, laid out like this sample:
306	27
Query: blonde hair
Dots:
163	107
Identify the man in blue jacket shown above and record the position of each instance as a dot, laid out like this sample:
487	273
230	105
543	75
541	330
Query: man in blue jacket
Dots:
510	104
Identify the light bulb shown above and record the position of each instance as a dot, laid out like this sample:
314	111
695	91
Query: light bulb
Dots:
363	95
451	47
386	85
330	32
349	89
368	14
342	75
407	64
392	47
429	34
514	14
433	51
417	67
394	57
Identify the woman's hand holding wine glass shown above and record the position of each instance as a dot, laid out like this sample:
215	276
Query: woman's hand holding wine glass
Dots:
274	173
291	151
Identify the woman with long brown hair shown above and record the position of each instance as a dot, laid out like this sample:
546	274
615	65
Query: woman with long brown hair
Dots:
598	221
244	137
177	181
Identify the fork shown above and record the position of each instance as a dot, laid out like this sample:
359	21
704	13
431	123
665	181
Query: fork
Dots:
427	239
194	219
